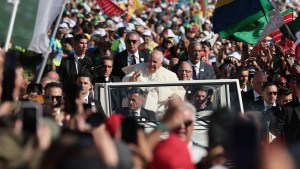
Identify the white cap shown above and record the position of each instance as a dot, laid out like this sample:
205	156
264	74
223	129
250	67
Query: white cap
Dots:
179	11
71	22
164	5
147	32
64	25
170	33
130	27
117	19
120	24
69	36
101	19
235	55
139	21
100	32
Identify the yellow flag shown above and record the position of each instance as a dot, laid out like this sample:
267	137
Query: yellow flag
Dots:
131	7
135	6
138	7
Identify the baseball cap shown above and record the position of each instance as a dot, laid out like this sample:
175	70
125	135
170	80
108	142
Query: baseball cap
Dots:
147	32
171	153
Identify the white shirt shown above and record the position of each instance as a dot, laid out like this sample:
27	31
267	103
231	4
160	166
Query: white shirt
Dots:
197	67
76	61
86	99
129	58
244	89
197	153
267	106
255	95
138	112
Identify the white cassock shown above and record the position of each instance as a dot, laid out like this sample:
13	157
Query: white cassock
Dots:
157	97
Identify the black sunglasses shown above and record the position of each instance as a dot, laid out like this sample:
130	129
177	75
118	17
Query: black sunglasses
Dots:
274	93
129	41
188	123
56	97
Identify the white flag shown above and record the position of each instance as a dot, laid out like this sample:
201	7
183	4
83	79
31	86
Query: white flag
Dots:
33	19
276	22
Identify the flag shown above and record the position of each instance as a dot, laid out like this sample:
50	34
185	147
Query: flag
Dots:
243	20
203	4
294	26
138	7
288	17
110	8
275	23
33	20
130	10
134	6
249	33
229	14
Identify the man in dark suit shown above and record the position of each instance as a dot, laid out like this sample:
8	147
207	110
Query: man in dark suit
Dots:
136	97
106	64
288	123
264	106
242	74
130	56
259	78
200	69
84	80
284	96
72	65
116	94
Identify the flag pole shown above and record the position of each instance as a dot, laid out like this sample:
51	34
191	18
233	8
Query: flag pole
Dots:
11	24
46	56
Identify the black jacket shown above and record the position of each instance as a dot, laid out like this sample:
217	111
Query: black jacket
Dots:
120	61
147	114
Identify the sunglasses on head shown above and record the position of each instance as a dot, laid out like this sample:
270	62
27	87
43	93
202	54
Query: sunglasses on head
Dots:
272	93
129	41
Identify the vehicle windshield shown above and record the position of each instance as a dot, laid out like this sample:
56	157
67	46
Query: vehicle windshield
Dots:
205	95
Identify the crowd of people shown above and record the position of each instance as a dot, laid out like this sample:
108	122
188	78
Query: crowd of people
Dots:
58	123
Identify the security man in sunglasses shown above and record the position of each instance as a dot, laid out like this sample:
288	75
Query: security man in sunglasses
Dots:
269	94
53	101
130	56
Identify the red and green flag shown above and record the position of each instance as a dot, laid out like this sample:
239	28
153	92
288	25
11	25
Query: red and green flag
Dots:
243	20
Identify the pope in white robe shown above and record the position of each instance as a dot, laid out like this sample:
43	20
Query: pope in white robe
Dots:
153	71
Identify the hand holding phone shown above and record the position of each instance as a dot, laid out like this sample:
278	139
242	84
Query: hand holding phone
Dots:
31	115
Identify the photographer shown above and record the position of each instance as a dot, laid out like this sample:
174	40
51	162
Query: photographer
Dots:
230	64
